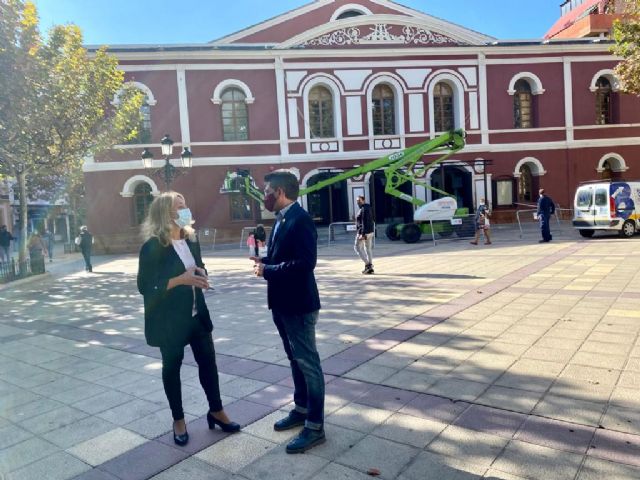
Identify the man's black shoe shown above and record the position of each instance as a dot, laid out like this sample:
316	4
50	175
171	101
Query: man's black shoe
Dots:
293	420
307	439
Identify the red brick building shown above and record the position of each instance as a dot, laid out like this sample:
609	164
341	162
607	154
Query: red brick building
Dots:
337	83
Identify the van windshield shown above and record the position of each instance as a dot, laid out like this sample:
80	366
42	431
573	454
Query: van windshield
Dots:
584	197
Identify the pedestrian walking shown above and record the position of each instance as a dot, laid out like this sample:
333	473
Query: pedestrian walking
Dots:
364	234
292	297
5	244
85	242
48	239
37	251
171	278
482	223
546	208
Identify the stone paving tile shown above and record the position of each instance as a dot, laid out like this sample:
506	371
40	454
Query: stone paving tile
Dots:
241	387
458	389
192	469
11	434
52	420
622	419
522	401
263	428
129	412
570	410
359	417
59	466
77	432
616	447
106	446
236	451
273	396
271	465
156	424
490	420
556	434
144	461
435	408
334	471
200	437
475	447
24	453
428	465
372	452
534	461
596	469
103	401
409	430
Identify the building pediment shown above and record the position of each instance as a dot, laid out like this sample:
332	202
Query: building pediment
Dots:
380	31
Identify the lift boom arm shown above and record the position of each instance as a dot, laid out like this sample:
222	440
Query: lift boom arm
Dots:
399	167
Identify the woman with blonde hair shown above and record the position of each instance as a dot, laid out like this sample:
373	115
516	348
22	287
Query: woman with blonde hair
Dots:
171	277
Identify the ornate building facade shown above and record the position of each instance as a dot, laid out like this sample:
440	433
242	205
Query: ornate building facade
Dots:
337	83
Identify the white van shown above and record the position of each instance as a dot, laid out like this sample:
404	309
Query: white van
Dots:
607	205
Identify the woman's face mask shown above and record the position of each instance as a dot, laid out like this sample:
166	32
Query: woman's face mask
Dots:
184	219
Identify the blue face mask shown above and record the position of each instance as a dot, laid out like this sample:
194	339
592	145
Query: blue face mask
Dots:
184	218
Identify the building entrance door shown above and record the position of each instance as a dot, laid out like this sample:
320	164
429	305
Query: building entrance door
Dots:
457	182
330	204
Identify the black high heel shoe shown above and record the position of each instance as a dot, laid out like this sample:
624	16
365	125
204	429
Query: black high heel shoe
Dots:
231	427
181	440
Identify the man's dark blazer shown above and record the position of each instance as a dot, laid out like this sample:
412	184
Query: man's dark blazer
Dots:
289	264
546	206
166	311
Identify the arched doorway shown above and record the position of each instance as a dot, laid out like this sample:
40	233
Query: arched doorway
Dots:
457	182
329	204
387	208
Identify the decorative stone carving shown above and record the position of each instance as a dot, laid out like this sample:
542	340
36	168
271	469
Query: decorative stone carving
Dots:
380	33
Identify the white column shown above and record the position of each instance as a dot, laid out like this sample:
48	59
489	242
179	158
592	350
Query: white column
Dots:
484	104
568	99
183	107
282	107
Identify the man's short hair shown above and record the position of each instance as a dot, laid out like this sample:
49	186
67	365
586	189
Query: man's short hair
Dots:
361	197
287	181
541	191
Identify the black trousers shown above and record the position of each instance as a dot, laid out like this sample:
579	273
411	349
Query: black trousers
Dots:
201	343
86	253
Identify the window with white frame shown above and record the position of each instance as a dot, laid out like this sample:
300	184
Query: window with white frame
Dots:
522	105
235	116
321	121
603	101
383	110
444	116
504	192
142	199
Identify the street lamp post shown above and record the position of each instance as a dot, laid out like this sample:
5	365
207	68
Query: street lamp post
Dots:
168	172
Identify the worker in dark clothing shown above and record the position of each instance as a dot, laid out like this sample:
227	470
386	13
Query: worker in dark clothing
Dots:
364	235
85	242
546	208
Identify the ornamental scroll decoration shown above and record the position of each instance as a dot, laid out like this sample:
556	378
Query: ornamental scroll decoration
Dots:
380	34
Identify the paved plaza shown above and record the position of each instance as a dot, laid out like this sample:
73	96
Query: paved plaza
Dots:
515	361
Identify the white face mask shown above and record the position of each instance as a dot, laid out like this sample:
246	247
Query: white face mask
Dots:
184	219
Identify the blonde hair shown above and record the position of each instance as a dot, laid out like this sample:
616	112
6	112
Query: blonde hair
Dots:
160	222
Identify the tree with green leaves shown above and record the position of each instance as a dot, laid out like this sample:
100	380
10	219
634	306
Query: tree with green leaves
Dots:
626	33
56	103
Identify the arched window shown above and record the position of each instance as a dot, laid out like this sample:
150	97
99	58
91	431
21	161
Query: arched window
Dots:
525	184
349	14
523	105
142	198
443	107
383	105
603	101
607	171
321	112
235	117
144	127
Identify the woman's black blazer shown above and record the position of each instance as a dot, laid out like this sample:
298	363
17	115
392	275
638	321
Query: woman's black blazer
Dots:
166	311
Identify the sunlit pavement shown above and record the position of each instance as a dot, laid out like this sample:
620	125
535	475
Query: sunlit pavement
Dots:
515	360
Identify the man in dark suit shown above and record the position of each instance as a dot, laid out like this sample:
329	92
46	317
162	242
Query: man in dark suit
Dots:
294	302
546	208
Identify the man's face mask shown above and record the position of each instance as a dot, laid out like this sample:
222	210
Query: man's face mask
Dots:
270	201
184	218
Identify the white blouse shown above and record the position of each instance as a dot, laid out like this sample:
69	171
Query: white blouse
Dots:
182	249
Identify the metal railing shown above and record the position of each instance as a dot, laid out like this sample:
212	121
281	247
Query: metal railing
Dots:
346	228
459	227
247	230
14	270
207	237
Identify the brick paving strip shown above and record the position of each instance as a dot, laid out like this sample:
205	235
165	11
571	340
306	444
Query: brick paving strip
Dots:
159	454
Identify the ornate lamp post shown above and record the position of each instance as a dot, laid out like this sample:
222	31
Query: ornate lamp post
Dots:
168	172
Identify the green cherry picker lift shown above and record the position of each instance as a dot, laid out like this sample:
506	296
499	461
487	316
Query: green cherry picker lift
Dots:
399	167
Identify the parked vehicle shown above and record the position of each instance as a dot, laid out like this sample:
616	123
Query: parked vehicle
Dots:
607	206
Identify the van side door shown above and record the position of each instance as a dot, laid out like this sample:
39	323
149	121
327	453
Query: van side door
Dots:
585	209
602	216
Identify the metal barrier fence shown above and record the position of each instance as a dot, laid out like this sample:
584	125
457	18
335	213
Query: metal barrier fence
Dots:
528	223
246	231
14	270
459	227
346	231
207	237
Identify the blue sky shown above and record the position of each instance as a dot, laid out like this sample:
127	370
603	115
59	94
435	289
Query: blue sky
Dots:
197	21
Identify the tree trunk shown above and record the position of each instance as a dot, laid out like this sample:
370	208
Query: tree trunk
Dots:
24	210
